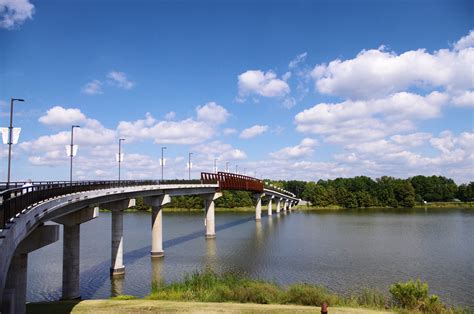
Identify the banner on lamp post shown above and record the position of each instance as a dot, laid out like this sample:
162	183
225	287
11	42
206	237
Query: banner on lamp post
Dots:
117	157
74	150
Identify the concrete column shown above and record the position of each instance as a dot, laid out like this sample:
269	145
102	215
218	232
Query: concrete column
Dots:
209	221
156	203
14	295
71	249
258	208
285	204
117	267
278	206
270	205
71	272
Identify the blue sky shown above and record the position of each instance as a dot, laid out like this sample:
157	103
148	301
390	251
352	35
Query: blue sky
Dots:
289	89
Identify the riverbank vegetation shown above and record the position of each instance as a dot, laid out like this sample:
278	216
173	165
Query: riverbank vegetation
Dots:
360	192
411	296
343	193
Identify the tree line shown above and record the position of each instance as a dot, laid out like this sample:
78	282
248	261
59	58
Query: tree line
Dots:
386	191
354	192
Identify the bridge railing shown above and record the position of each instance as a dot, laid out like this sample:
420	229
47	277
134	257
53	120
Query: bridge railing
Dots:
14	200
232	181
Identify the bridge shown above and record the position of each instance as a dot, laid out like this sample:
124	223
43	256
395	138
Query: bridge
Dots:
24	210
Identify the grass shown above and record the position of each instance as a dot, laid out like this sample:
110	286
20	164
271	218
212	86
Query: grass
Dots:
211	287
199	292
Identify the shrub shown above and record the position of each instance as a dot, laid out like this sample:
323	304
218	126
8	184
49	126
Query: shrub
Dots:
124	297
371	298
413	295
305	294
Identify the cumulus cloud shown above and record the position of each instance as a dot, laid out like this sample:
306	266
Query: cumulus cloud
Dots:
212	112
369	119
376	73
266	84
59	116
304	149
464	99
119	79
170	115
465	42
92	88
253	131
15	12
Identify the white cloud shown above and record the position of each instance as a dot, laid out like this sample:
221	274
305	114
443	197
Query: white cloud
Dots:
465	42
369	119
15	12
186	131
119	79
261	83
217	150
253	131
212	112
297	60
465	99
92	88
304	149
59	116
170	115
414	139
376	73
229	131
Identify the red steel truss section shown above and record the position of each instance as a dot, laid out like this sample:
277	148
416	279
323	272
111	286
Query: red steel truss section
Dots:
232	181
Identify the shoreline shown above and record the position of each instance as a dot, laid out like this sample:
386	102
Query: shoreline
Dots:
305	208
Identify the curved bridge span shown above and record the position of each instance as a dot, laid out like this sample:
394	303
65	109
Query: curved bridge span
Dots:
24	210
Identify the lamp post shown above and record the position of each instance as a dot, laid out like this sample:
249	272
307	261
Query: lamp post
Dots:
245	171
227	166
162	162
71	151
120	156
215	165
10	137
189	165
236	169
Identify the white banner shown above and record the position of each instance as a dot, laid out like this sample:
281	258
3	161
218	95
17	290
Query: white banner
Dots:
74	150
117	157
15	135
163	162
189	165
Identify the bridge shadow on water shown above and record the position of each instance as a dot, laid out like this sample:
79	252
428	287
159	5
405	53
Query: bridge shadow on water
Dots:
93	278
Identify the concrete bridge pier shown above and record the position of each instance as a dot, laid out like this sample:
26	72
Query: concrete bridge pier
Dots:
156	203
14	294
278	206
285	206
209	221
71	246
270	198
117	208
258	208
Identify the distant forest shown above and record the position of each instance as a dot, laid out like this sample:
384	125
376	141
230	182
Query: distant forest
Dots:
349	193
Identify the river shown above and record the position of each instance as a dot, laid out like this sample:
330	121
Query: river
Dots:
342	250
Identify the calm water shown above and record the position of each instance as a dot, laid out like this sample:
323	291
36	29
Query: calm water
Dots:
341	251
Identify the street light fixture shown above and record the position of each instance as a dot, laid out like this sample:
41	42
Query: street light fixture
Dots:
189	165
13	135
119	156
72	150
162	162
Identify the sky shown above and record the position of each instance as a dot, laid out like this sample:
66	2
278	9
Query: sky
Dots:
303	90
